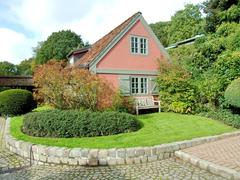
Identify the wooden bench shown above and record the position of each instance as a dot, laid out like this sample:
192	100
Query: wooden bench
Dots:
146	102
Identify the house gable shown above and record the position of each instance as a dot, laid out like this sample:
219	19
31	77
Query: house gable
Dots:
109	56
112	58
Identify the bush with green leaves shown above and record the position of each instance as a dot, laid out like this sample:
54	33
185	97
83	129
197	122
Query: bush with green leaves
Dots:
16	101
74	123
232	94
177	93
224	115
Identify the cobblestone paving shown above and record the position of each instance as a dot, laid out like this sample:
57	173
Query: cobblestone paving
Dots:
13	167
8	160
225	152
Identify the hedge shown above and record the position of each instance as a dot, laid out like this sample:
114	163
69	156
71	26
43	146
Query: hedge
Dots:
73	123
16	101
225	116
232	93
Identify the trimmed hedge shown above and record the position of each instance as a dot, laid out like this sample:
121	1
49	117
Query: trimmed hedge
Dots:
225	116
73	123
16	101
232	94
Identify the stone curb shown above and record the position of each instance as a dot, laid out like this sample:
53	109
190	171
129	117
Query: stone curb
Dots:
209	166
41	154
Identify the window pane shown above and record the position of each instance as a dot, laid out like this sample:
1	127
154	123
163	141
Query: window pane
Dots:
143	85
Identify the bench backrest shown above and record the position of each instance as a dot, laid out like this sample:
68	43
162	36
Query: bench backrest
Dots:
144	101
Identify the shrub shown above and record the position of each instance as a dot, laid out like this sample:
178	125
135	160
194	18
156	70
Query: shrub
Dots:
232	93
73	123
123	104
177	93
227	66
16	101
71	88
225	116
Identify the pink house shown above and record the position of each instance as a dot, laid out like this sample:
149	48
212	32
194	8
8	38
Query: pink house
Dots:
128	57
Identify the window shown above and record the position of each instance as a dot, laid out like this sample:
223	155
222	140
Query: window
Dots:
138	45
139	85
134	44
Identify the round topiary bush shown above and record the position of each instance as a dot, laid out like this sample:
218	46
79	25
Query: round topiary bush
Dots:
73	123
232	94
16	101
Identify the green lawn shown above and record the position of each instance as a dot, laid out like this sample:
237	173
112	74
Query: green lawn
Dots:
158	128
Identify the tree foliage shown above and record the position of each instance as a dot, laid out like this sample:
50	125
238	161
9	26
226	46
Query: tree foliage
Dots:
161	31
7	68
186	23
219	11
26	67
214	61
57	46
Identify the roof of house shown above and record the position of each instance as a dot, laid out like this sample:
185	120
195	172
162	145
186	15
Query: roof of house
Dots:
102	43
78	51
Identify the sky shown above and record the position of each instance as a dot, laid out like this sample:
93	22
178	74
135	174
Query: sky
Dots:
24	23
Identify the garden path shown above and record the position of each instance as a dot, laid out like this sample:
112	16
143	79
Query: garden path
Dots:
225	152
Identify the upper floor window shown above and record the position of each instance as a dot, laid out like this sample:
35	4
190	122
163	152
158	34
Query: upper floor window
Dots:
138	45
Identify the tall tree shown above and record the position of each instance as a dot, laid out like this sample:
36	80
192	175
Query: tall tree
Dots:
57	46
218	11
161	31
7	68
186	23
25	67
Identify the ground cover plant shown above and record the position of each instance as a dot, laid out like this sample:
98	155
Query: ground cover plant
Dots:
156	128
75	123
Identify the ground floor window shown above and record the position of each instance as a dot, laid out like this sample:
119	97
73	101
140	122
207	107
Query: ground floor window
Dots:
139	85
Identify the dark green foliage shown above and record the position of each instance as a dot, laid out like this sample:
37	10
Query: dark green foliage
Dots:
16	101
73	123
4	88
185	24
227	66
8	69
225	116
213	61
177	93
232	94
161	31
57	46
219	11
25	67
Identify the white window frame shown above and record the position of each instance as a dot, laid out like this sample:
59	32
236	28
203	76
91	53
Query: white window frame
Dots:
138	88
138	47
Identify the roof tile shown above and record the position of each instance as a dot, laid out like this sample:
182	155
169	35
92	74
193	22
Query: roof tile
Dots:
102	43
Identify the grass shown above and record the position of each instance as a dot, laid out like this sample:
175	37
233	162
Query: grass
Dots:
158	128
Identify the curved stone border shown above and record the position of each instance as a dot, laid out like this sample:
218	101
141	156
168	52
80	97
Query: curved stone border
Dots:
209	166
40	154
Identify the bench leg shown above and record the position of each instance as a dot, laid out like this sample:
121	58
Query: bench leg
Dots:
159	109
137	111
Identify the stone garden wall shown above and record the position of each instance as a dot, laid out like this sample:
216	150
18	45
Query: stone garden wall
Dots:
40	154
